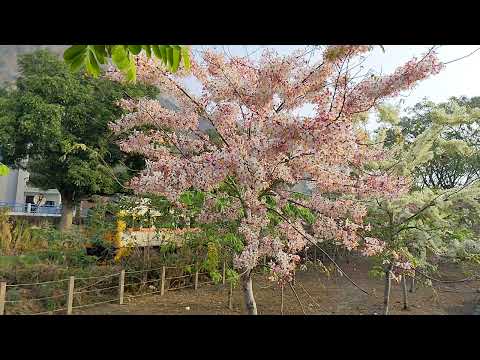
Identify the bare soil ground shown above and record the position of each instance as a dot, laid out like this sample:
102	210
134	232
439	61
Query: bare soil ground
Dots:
334	295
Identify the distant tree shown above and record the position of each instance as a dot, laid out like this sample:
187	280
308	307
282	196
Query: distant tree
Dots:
437	219
58	120
456	152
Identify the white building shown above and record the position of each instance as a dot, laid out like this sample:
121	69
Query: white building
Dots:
20	198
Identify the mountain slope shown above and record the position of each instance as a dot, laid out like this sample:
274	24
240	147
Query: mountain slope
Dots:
9	54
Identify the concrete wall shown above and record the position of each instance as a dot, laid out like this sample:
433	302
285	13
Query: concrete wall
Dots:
21	186
14	188
8	186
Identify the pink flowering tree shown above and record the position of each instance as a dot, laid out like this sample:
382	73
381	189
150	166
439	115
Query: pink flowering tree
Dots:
245	140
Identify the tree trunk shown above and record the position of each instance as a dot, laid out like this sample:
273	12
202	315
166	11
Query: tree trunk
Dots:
405	298
78	215
67	214
247	289
412	284
386	296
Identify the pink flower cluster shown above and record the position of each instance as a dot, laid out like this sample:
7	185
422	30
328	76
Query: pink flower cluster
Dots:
372	246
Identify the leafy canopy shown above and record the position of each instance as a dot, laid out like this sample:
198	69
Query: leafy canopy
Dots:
58	121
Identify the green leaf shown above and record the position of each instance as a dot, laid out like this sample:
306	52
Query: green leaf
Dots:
92	65
186	57
135	49
120	58
78	63
74	52
148	50
4	170
156	51
100	53
169	51
175	58
163	53
131	73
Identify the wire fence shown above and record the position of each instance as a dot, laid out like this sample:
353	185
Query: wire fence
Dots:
80	295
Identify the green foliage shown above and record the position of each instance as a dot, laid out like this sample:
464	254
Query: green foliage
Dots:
59	121
437	217
4	170
455	156
232	276
93	56
299	212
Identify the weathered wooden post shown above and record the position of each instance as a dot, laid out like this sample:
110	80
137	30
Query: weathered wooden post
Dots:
412	284
224	271
3	296
121	287
230	296
196	280
281	307
162	285
71	287
405	298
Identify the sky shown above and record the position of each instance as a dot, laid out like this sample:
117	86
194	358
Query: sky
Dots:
458	78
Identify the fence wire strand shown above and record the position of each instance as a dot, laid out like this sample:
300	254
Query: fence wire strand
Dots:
36	299
37	283
48	312
180	287
92	290
142	282
92	304
97	277
179	277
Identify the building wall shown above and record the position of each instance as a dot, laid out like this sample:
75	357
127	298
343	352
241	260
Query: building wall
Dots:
21	186
50	195
14	188
8	186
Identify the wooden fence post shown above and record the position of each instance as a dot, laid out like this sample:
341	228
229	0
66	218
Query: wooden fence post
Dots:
224	272
230	296
281	306
162	285
71	287
196	280
3	295
404	288
121	287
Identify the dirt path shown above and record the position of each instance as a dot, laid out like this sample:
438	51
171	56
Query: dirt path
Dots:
334	295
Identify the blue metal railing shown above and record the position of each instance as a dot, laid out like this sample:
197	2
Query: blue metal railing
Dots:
31	208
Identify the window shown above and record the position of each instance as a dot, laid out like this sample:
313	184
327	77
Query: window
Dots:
50	203
29	199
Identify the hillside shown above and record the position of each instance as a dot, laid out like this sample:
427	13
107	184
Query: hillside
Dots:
8	58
